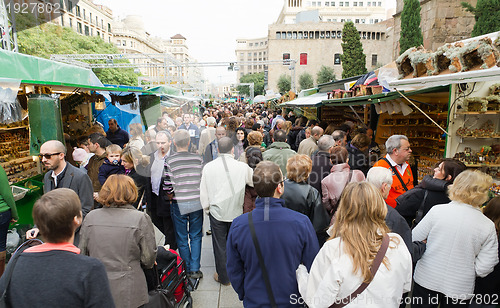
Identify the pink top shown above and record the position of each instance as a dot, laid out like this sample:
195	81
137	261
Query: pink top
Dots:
54	246
334	183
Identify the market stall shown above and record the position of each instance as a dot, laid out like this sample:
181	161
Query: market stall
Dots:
41	100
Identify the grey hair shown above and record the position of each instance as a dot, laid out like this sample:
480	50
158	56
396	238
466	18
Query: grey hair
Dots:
338	135
378	176
165	133
394	142
181	138
325	143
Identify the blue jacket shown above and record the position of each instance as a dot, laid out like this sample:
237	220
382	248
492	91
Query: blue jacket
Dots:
286	240
119	137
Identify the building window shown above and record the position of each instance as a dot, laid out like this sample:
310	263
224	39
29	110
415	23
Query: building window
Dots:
299	35
336	59
327	3
91	31
356	21
250	44
342	20
327	34
289	35
124	43
363	21
374	60
374	3
98	34
109	27
379	3
346	3
255	54
303	59
79	27
314	3
249	55
305	34
334	20
322	35
96	21
278	35
102	23
62	20
90	17
334	34
77	8
341	3
84	15
286	59
316	34
70	23
355	3
360	3
294	35
371	20
368	3
378	35
332	3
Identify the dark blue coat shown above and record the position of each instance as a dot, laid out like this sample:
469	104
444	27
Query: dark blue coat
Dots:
286	240
119	137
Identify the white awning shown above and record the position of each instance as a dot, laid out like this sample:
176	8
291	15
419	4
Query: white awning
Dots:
313	100
442	80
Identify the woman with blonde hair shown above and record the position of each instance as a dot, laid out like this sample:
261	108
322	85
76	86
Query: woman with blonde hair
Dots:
123	239
343	263
461	244
302	197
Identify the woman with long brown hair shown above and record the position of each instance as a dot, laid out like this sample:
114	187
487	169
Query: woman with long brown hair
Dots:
344	262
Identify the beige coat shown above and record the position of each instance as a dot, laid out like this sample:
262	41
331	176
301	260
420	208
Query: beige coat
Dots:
308	146
123	239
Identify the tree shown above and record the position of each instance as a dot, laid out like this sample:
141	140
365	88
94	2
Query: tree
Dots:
257	79
325	74
487	16
353	58
306	81
284	83
411	34
47	39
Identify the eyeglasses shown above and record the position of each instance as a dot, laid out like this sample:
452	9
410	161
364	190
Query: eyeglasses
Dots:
48	155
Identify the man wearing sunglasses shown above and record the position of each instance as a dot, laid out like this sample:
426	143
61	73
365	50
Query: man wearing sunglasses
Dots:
62	174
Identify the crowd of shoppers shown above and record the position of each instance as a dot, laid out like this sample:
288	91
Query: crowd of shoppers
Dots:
298	213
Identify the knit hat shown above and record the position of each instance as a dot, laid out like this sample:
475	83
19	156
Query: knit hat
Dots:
79	154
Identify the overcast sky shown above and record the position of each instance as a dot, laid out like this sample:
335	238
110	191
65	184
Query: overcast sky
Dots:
210	27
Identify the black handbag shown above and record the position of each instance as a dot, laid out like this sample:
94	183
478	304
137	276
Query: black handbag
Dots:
158	297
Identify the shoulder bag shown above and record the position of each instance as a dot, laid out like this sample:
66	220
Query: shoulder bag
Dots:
261	261
397	173
375	265
4	301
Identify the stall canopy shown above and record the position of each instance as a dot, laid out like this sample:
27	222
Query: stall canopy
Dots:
320	99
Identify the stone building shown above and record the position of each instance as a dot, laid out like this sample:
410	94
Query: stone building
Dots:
251	50
442	21
314	44
85	17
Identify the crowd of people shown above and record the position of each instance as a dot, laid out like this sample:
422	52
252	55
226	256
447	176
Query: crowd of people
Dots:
301	212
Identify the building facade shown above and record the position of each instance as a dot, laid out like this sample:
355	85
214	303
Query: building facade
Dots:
442	21
313	45
359	11
86	18
251	50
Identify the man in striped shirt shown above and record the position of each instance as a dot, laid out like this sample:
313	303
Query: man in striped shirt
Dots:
182	187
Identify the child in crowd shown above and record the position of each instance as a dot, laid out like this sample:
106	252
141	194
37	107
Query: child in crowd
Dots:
81	157
112	163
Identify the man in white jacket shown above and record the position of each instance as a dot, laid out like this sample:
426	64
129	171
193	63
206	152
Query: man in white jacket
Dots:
222	191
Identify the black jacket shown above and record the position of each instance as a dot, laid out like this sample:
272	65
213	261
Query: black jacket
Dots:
397	224
305	199
409	202
357	159
141	181
291	138
321	167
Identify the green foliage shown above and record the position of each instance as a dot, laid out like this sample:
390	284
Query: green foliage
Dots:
306	81
487	16
284	83
411	34
353	58
47	39
325	74
257	79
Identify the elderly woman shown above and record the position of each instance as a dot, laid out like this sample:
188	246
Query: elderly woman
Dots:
254	141
123	239
345	261
461	244
415	203
341	175
302	197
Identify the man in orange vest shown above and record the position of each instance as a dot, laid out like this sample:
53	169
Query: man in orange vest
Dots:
398	153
